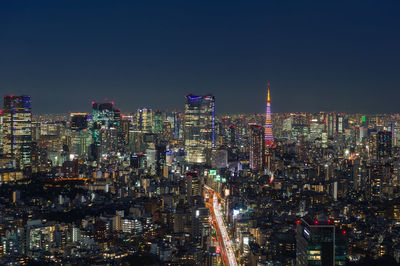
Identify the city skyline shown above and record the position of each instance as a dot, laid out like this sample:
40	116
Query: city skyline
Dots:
316	56
134	110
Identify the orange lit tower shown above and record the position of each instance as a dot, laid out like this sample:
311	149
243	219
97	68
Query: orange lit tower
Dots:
268	135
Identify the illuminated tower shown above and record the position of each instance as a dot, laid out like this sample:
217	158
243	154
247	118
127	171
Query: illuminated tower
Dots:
268	135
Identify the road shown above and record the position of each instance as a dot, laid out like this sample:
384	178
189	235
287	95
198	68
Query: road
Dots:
227	245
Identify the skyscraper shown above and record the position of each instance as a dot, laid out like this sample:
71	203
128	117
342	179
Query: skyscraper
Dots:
103	117
199	128
1	131
166	133
80	137
200	223
17	133
158	120
256	147
384	144
144	118
175	118
106	123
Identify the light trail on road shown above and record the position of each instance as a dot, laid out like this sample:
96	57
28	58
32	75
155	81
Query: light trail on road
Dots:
227	243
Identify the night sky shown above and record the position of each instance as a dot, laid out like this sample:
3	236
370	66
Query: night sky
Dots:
342	56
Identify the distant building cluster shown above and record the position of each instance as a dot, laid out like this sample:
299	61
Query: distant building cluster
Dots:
195	187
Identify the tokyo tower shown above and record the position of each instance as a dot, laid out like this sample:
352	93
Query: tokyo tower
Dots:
268	135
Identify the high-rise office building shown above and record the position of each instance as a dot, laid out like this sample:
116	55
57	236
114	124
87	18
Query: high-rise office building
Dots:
158	120
17	132
80	137
256	147
384	144
200	223
320	242
103	117
1	131
144	118
330	124
232	136
340	122
166	133
123	134
199	128
193	185
105	125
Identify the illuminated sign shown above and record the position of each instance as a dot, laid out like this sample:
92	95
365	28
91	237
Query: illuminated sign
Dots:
213	172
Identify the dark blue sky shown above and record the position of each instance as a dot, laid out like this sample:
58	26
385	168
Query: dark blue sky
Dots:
343	55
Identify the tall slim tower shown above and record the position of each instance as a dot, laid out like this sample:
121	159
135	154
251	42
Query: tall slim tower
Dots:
268	135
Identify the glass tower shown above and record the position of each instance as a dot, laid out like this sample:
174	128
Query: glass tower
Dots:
105	125
158	120
144	118
199	128
17	132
